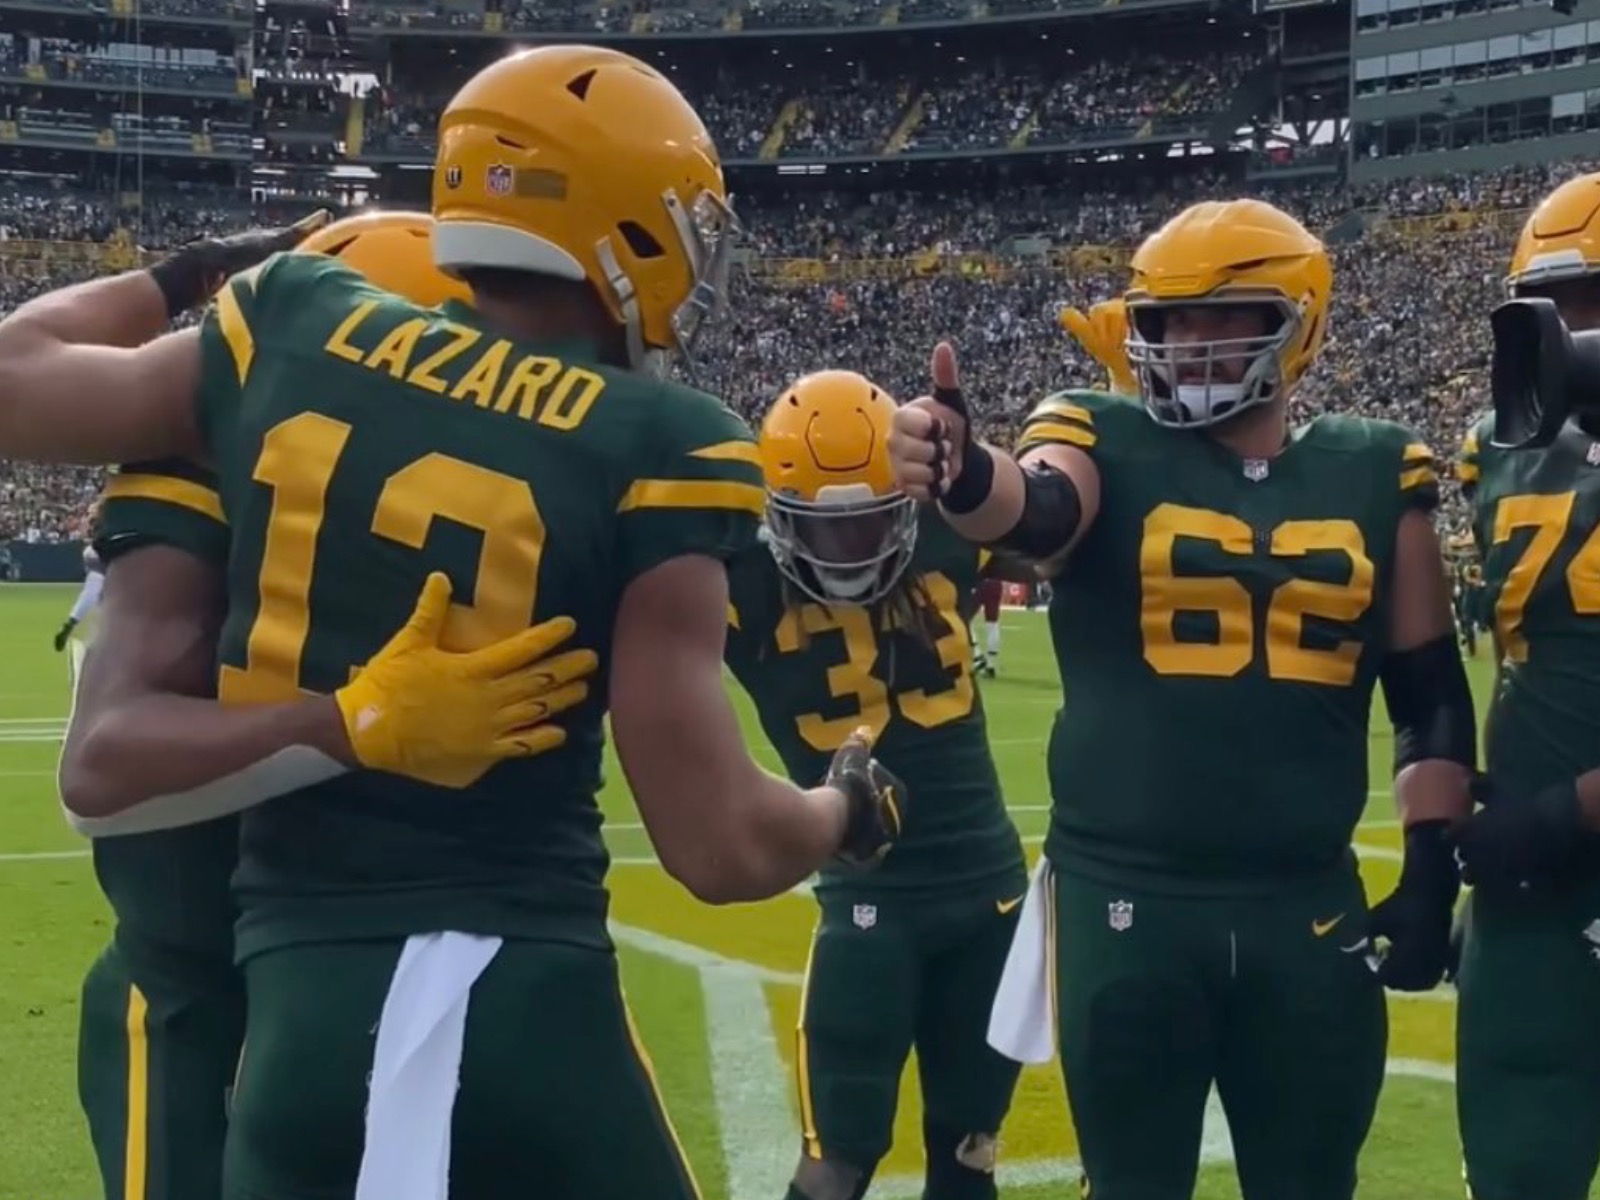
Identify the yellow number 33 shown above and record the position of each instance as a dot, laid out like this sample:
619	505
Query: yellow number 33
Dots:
1163	594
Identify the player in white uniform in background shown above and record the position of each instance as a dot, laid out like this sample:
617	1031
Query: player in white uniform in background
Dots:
88	600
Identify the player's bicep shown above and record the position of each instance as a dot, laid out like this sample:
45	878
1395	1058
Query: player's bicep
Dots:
159	619
676	732
1421	609
1080	468
103	405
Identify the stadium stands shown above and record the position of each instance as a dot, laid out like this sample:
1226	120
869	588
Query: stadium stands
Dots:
934	168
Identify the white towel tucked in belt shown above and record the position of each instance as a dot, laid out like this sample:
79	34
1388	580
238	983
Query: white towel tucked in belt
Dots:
1022	1022
416	1066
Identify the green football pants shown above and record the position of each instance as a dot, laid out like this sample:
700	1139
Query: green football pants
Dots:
889	973
158	1044
1528	1045
556	1098
1269	998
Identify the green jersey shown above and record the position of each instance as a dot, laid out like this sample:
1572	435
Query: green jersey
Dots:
362	442
818	672
169	888
1219	630
1536	519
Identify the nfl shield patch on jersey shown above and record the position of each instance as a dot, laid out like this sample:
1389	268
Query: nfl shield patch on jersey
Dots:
1255	469
1119	914
865	916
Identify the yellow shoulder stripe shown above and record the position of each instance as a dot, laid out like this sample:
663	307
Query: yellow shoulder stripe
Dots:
235	331
694	493
1038	432
1063	410
166	489
1418	477
735	451
1415	453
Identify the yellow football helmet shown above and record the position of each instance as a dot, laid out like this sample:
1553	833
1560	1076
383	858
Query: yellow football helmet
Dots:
1561	239
1238	252
392	250
837	526
586	164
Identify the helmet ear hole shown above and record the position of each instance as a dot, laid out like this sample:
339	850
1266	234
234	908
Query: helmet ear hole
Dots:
579	85
640	240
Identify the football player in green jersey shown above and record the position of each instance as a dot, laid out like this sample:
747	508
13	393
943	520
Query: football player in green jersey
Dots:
162	1017
526	447
848	614
1528	1051
1235	588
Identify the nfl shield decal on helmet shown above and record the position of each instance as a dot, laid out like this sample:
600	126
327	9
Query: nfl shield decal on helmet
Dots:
498	180
1120	914
865	916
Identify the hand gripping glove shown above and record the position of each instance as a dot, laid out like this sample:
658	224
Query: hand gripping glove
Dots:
445	718
876	801
1520	842
191	275
1416	916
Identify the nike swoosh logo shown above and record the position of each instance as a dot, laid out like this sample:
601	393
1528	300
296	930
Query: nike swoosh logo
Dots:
1321	928
1005	906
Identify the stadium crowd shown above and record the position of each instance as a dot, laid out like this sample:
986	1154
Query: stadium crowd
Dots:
1409	332
979	105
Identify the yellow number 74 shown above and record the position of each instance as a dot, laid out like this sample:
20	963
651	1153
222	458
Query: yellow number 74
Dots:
1549	516
1163	594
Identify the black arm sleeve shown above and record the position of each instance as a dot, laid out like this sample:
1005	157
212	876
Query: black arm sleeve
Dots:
1430	704
1051	511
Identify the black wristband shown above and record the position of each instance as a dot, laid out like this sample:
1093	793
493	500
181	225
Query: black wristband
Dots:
976	481
182	280
1430	858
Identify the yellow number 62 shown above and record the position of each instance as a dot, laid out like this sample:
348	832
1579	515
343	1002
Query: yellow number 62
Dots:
1163	594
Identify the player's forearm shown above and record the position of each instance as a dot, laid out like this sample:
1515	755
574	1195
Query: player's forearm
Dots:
1432	790
124	310
1000	510
158	745
1588	785
784	834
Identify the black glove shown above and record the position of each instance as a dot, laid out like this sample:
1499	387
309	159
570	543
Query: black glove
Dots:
64	633
191	275
1416	916
1515	844
876	798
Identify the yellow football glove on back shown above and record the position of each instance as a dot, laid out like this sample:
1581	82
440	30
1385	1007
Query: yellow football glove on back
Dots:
444	717
1104	334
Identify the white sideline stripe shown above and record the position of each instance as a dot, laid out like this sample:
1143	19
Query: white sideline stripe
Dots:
43	856
760	1137
698	957
638	827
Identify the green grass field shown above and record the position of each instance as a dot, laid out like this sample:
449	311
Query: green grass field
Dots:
715	990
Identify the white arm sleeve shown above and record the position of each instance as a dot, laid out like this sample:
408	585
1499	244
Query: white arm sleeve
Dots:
289	769
93	584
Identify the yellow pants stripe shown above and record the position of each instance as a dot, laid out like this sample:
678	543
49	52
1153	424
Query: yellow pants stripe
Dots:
135	1167
643	1056
802	1069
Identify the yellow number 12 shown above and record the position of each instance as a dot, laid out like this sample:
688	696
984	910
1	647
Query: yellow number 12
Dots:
297	461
